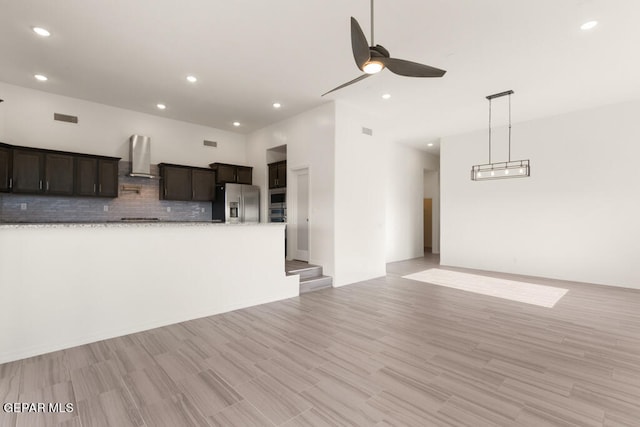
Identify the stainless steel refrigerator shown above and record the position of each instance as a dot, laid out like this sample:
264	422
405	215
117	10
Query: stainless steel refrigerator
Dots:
237	203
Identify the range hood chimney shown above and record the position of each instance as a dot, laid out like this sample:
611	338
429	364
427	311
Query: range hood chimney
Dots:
140	156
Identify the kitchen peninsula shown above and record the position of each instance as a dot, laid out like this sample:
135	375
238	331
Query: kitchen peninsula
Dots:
63	285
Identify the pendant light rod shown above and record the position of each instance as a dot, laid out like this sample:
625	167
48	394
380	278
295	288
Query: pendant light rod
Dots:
490	98
509	127
489	130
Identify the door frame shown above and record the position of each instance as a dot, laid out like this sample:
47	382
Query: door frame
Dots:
292	211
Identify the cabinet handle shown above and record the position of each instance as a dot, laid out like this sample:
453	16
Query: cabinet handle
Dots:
47	185
10	182
94	188
40	184
193	194
100	188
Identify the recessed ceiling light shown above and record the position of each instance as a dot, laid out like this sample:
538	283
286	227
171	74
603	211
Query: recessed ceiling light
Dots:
41	77
386	96
276	105
236	124
430	144
41	31
161	106
588	25
192	79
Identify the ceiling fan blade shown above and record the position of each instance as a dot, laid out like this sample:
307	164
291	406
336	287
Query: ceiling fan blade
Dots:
364	76
359	44
410	69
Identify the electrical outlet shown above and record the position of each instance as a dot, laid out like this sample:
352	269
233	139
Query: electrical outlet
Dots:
202	210
23	206
168	208
105	208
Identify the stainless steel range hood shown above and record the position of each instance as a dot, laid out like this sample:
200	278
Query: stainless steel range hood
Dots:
140	156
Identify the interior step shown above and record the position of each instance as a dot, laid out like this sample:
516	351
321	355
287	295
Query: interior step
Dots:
307	272
316	283
311	277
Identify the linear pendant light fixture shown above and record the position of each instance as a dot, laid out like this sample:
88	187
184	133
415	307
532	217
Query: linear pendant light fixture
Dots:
508	169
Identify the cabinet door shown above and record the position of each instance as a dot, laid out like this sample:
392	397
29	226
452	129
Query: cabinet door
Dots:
5	169
203	185
27	171
58	173
176	183
107	178
244	175
225	173
273	175
282	174
86	176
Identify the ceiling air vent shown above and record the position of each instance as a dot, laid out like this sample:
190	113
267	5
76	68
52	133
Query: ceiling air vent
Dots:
65	118
210	143
367	131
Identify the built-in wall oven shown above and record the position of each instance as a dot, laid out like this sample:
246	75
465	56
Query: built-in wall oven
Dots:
278	205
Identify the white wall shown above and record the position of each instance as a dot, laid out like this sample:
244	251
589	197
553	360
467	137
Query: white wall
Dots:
575	218
404	201
310	140
96	282
105	130
360	208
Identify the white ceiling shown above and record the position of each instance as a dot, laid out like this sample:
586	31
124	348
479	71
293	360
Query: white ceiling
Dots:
249	54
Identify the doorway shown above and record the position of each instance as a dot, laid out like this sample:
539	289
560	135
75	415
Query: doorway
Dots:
302	215
428	226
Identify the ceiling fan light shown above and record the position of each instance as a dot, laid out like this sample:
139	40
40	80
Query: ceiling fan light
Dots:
372	67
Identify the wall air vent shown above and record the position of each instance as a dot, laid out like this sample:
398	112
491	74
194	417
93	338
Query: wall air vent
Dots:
210	143
65	118
367	131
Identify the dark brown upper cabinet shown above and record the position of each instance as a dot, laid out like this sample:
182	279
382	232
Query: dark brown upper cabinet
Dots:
58	174
108	177
186	183
244	175
232	173
96	177
6	176
86	176
203	182
175	182
28	171
278	174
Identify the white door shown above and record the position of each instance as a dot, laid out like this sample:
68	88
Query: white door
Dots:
302	215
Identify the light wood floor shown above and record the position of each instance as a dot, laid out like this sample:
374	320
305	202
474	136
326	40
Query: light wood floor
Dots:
385	352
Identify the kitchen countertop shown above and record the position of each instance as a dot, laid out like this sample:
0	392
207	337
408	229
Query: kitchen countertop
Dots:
130	224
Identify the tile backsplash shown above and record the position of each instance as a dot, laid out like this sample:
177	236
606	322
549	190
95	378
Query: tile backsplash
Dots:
137	198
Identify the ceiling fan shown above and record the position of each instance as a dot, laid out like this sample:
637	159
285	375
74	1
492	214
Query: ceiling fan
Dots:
372	59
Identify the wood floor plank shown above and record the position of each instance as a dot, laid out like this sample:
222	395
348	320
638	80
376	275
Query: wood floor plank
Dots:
272	399
208	392
177	411
242	414
150	385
